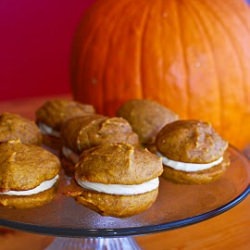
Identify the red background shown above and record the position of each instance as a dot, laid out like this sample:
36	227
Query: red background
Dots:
35	46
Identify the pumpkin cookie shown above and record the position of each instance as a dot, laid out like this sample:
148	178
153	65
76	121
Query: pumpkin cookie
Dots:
117	180
81	133
14	127
146	118
28	175
192	152
53	113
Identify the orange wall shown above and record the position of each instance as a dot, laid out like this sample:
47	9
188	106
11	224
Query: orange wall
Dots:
35	41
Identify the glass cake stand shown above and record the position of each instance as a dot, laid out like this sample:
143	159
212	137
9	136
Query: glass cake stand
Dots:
177	205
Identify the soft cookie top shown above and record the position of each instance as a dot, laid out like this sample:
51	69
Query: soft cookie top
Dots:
25	166
14	127
118	163
82	133
146	117
54	113
191	141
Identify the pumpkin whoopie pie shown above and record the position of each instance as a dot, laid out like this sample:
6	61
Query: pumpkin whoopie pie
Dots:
28	175
82	133
53	113
117	180
146	117
192	152
16	127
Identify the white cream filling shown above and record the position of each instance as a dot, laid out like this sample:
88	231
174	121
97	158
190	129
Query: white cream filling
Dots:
188	167
42	187
71	155
119	189
46	130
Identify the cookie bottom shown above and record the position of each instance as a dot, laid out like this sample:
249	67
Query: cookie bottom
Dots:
23	202
117	205
198	177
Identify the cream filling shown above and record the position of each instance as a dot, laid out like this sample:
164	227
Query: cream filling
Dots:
71	155
46	130
42	187
119	189
188	167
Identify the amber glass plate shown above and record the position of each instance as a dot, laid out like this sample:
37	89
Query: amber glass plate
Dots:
176	206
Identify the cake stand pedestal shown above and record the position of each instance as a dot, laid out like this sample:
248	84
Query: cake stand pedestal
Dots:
98	243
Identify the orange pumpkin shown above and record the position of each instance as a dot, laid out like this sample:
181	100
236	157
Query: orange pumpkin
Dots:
193	56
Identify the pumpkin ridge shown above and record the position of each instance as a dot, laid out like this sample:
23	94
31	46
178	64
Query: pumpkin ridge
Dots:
112	27
201	23
233	44
161	69
83	62
123	26
86	40
140	63
242	24
112	18
151	82
236	60
80	57
113	22
184	58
